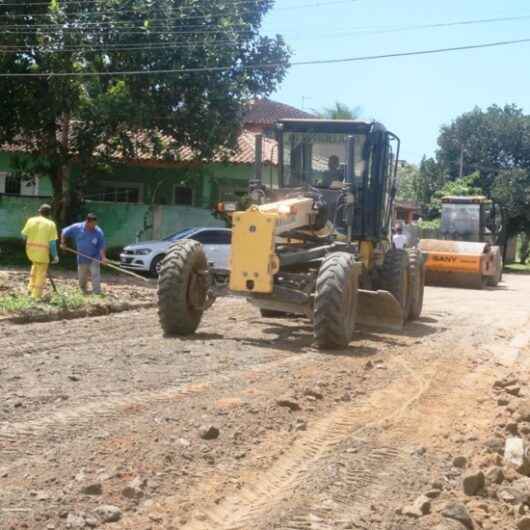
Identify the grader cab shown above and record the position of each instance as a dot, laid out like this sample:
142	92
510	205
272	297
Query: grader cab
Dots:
316	244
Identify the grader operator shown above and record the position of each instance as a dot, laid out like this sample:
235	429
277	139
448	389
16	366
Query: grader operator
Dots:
316	245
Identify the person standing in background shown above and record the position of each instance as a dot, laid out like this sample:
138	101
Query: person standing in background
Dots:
89	241
40	233
400	239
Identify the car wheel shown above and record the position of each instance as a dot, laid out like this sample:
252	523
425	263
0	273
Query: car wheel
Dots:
155	266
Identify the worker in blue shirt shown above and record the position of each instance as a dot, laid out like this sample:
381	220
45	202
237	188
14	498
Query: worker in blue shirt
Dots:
90	242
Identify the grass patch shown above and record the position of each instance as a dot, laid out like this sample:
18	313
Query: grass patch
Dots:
518	268
64	299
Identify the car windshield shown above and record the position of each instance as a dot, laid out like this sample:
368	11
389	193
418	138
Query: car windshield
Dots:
179	235
320	158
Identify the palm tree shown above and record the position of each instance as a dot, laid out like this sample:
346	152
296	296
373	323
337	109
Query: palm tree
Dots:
339	111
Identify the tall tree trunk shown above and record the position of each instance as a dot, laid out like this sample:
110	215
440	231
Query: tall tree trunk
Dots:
525	247
61	179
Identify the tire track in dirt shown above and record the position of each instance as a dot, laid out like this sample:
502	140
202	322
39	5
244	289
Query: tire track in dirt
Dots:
359	475
432	413
337	508
247	508
418	391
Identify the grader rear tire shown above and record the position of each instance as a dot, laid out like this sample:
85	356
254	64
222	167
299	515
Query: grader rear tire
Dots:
395	277
336	297
416	283
182	288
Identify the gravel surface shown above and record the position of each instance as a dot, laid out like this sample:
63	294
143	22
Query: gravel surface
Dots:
106	423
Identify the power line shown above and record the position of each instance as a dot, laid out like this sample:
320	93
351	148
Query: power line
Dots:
155	45
393	29
208	16
212	69
257	3
359	30
95	2
136	46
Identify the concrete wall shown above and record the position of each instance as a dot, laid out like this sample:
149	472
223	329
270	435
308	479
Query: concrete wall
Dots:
14	211
122	223
125	223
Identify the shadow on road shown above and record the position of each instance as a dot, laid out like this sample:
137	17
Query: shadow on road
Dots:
296	336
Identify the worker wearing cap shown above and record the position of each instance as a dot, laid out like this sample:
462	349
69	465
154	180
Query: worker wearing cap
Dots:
41	241
90	243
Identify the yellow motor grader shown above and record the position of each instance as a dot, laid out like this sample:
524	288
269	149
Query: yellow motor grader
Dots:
316	244
468	254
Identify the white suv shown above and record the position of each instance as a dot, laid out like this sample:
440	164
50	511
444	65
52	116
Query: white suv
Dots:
147	255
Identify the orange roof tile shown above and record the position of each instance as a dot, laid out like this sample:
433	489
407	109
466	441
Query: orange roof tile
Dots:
144	150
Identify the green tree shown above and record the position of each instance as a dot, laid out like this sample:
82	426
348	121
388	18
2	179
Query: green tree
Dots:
339	111
408	177
430	179
524	249
512	191
215	49
462	186
488	141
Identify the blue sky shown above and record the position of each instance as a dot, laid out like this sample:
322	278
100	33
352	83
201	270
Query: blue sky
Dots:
412	96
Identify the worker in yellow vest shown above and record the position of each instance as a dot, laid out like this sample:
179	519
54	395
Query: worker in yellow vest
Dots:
41	241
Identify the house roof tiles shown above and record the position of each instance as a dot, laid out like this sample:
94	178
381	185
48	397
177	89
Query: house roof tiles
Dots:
261	112
266	112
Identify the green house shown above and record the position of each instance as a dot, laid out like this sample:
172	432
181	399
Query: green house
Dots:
145	196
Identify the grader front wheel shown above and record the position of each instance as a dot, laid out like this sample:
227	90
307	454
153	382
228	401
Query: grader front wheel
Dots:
182	288
336	298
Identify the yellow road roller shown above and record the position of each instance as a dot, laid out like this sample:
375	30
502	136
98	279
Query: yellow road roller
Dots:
468	255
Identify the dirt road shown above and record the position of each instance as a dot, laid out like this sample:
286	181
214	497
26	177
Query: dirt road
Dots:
247	426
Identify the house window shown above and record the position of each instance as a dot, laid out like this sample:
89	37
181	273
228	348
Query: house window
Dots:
120	192
15	185
183	195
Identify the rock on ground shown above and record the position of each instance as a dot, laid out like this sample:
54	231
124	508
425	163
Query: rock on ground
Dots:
421	506
515	454
460	461
494	475
135	488
288	402
524	523
209	432
75	520
92	489
523	411
107	513
473	482
459	513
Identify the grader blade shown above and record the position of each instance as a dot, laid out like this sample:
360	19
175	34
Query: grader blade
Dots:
379	309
